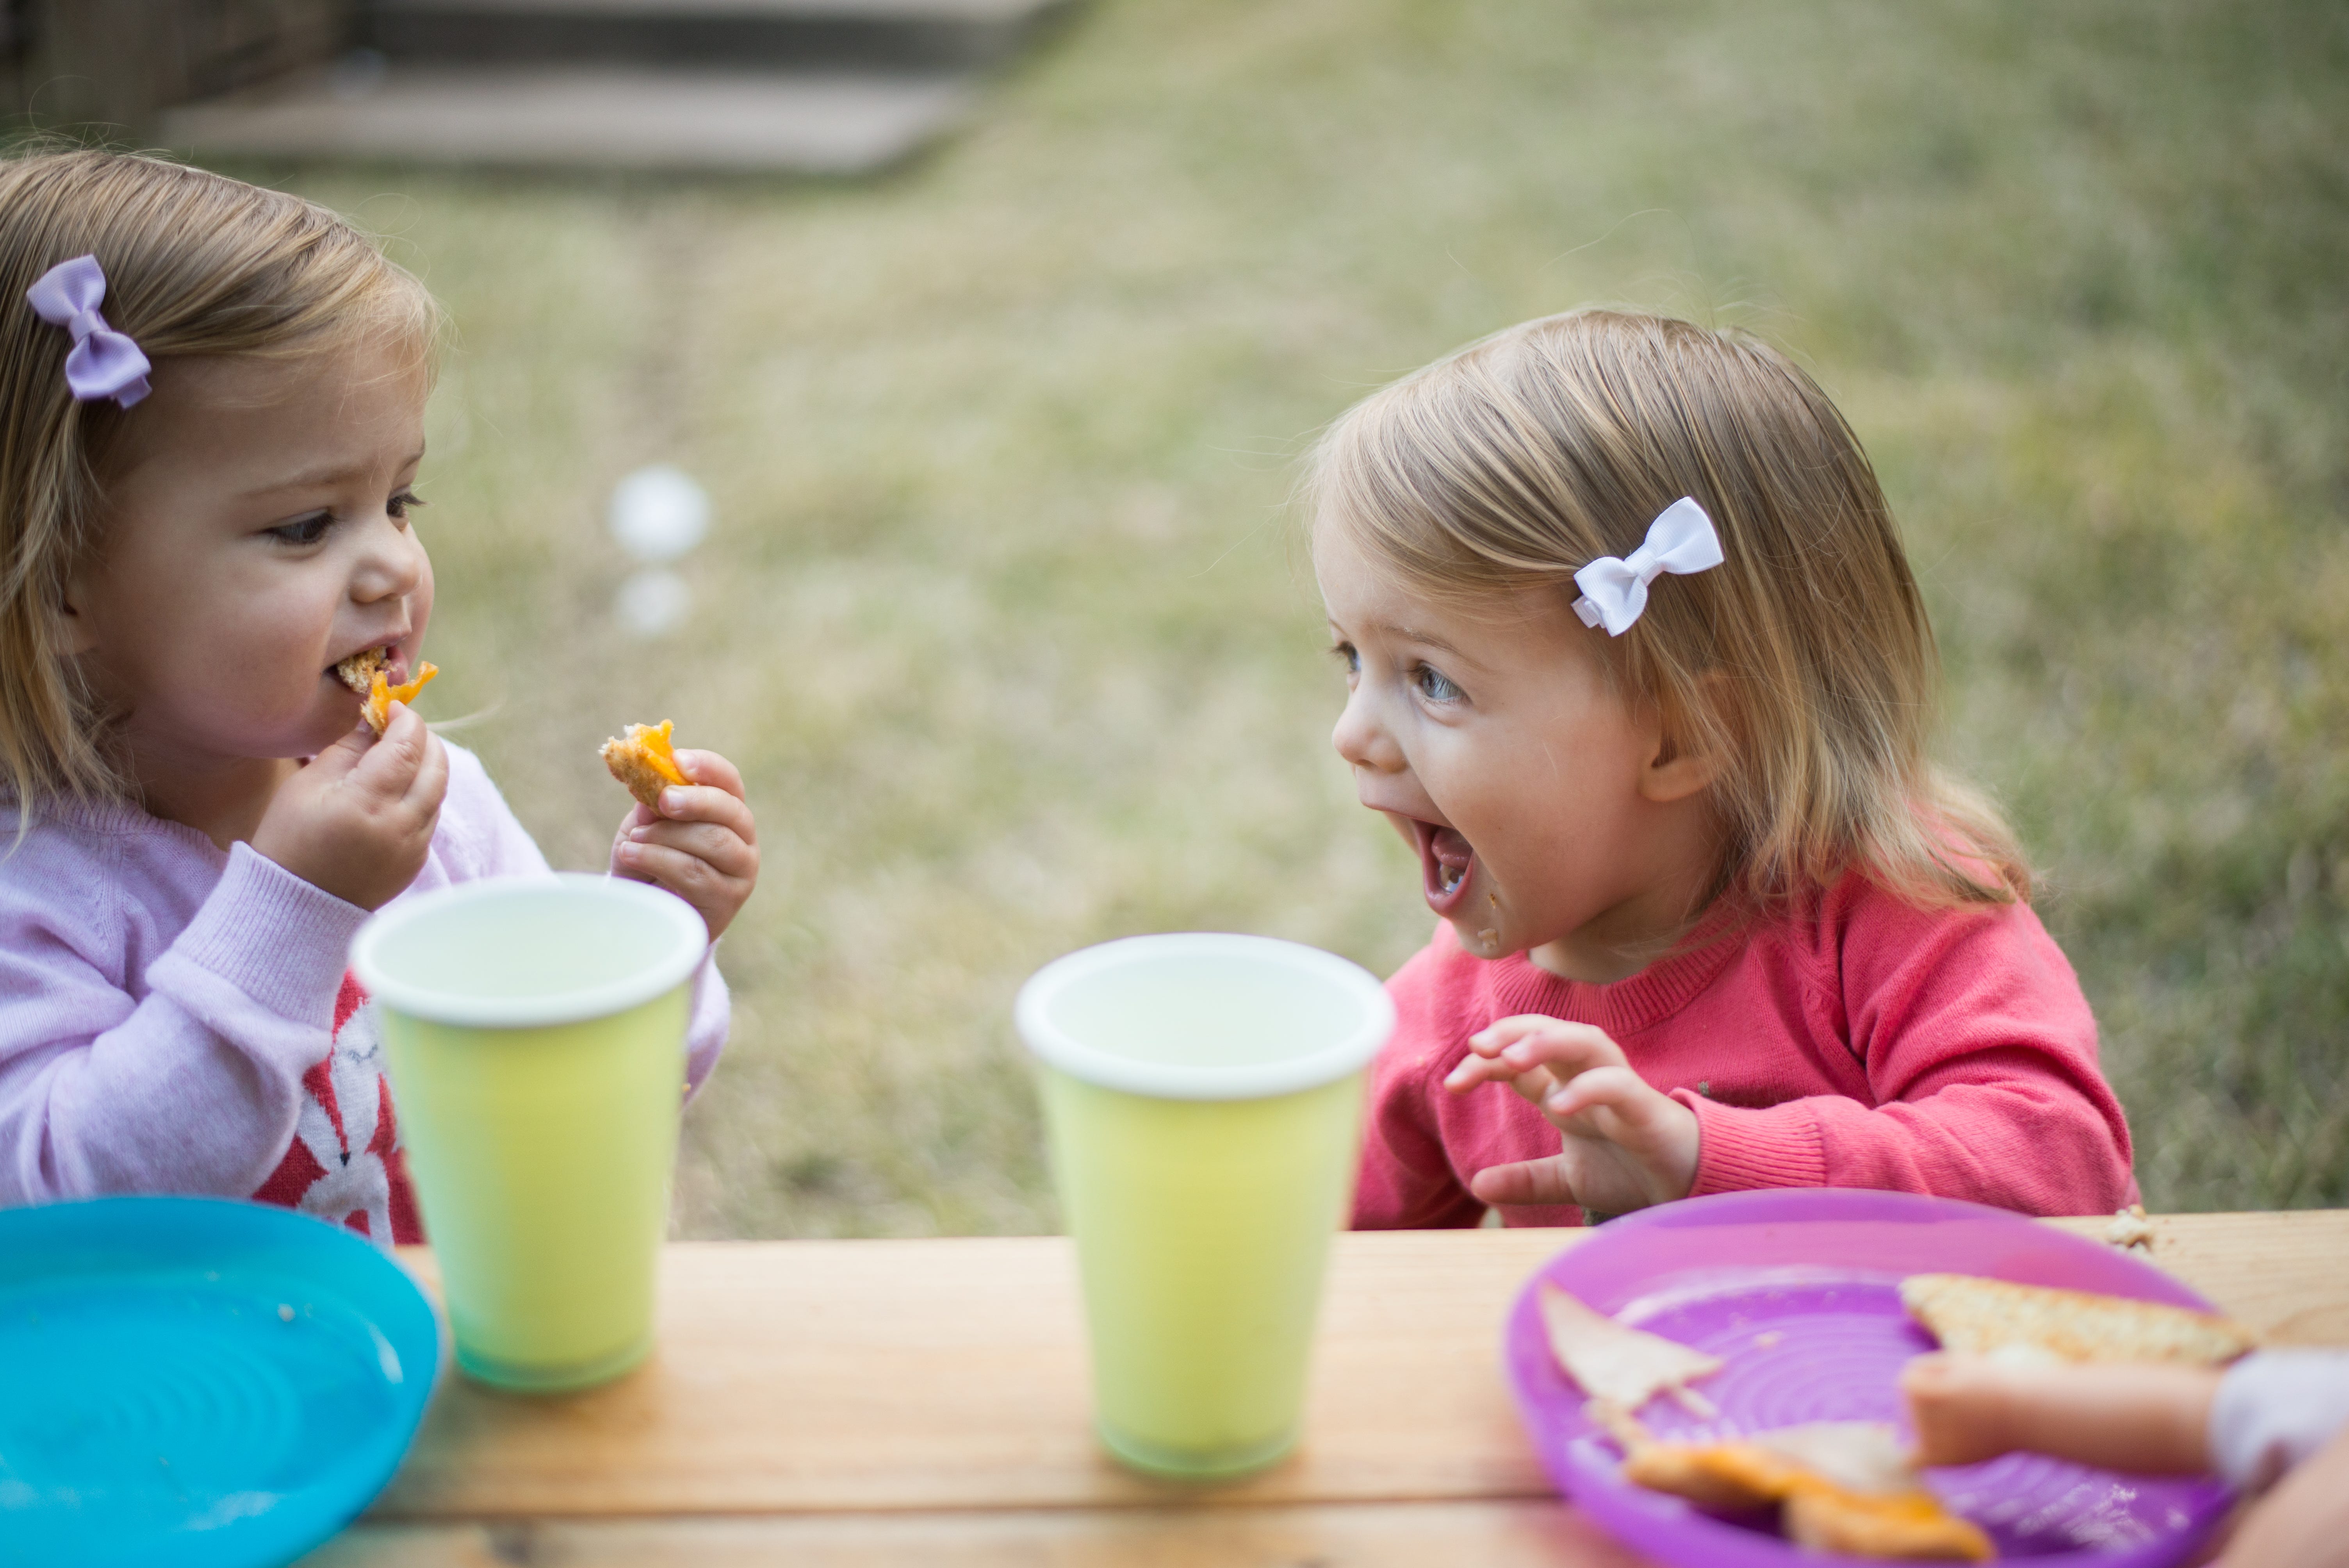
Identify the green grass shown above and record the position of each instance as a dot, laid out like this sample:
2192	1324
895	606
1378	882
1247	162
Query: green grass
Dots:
1004	617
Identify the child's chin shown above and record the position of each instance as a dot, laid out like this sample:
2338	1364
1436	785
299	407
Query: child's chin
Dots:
326	727
1484	940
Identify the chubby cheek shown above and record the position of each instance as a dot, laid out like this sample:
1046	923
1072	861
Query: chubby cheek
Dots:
265	679
1536	862
420	605
1508	909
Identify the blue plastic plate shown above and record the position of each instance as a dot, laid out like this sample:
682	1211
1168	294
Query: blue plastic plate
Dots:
194	1383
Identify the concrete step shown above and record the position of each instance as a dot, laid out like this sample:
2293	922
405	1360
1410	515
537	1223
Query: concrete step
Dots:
835	35
828	123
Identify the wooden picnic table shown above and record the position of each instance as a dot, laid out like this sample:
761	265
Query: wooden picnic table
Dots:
829	1403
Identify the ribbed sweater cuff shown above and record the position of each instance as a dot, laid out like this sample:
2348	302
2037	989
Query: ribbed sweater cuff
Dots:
1740	1149
274	937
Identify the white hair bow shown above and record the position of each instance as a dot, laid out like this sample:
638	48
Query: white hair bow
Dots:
1615	587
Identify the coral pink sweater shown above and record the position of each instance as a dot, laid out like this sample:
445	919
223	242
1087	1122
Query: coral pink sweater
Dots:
1859	1042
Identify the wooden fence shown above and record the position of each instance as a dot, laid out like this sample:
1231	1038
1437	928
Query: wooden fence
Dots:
114	65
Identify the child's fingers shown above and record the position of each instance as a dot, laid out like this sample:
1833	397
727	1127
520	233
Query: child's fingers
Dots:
689	877
1473	1071
710	768
1618	1090
1501	1033
1534	1086
707	803
721	847
1564	1048
1526	1181
430	786
1957	1407
390	766
338	760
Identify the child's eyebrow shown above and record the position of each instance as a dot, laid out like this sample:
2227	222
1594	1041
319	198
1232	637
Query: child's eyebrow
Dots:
328	474
1425	639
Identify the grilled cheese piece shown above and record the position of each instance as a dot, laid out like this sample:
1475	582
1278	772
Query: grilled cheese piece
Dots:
1839	1485
2014	1322
363	671
642	760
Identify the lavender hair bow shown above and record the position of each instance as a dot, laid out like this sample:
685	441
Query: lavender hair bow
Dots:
104	362
1615	587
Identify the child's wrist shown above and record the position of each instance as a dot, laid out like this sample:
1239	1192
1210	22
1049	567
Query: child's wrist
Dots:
1685	1151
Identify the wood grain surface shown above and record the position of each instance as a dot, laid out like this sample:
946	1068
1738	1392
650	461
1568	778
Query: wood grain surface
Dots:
1527	1534
833	1378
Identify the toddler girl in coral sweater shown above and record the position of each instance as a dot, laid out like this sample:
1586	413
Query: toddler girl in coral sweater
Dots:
1636	664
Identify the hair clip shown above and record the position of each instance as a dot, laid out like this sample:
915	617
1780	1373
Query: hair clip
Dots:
104	362
1615	587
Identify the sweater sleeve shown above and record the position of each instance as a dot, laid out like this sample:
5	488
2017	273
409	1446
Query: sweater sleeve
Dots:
492	842
192	1087
1980	1055
1406	1179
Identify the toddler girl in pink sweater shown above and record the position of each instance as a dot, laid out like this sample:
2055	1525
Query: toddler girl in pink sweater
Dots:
212	404
1637	665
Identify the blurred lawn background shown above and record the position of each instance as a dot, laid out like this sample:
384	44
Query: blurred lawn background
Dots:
1005	620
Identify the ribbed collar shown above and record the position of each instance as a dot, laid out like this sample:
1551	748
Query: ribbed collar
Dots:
1624	1006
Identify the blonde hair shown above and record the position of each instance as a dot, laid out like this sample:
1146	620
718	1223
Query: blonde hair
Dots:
195	263
1803	663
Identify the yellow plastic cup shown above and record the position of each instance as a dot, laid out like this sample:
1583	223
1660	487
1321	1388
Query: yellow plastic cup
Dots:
1202	1097
535	1035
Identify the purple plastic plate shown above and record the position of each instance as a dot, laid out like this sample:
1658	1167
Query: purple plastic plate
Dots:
1798	1292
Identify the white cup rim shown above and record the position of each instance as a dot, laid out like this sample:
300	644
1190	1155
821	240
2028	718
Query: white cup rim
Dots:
1171	1080
599	1001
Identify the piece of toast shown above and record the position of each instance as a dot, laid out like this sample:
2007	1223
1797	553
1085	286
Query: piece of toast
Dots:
358	671
1998	1317
1624	1367
642	760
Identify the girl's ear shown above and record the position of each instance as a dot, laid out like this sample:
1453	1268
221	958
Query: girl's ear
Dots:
75	635
1677	766
1676	775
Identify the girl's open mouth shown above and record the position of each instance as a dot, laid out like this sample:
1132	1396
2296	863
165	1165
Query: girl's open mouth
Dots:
1446	862
358	671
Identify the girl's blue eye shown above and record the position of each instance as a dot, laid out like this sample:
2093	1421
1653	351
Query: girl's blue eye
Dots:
304	530
1434	685
1348	657
399	506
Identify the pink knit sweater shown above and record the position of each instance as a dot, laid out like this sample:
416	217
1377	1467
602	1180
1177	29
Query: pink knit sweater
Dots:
1859	1042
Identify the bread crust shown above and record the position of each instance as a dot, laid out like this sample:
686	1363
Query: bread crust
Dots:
644	759
358	671
1998	1317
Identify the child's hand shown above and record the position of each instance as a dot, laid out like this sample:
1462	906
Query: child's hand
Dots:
2304	1520
2147	1420
701	844
1626	1145
358	819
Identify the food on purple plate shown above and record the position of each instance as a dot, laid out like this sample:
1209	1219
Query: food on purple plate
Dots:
1996	1317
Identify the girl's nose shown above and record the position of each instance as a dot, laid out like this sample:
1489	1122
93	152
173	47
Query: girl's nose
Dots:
394	566
1360	739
